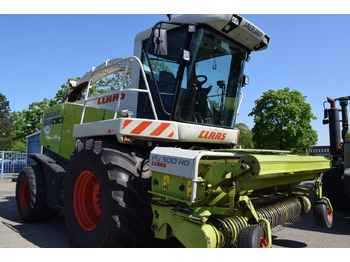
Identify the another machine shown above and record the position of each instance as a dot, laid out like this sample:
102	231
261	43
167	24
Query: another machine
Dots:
157	157
337	180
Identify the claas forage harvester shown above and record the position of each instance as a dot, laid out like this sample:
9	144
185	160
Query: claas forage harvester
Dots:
156	157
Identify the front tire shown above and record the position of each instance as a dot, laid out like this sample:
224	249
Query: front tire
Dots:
105	199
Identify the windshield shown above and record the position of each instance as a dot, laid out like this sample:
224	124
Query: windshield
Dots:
205	90
210	88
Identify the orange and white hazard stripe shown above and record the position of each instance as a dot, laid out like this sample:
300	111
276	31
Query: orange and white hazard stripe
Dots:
149	128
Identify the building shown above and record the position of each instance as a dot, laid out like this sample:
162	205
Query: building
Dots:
320	151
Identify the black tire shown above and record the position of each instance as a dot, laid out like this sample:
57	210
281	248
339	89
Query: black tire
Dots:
322	214
252	237
121	214
31	195
333	188
347	185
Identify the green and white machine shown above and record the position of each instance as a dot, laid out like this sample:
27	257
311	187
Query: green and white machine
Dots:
157	158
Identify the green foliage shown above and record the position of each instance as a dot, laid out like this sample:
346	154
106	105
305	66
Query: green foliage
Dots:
28	121
19	145
5	124
282	121
158	66
112	82
245	139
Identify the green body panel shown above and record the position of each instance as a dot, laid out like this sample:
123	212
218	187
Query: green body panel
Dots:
58	123
186	229
51	129
273	170
177	188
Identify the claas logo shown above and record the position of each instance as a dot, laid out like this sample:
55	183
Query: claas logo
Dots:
212	135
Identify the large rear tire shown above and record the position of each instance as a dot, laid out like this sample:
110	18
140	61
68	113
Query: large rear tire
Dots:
31	195
105	198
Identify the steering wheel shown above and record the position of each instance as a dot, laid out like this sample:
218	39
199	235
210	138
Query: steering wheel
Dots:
198	82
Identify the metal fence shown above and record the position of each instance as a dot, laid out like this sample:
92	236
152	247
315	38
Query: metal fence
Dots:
11	163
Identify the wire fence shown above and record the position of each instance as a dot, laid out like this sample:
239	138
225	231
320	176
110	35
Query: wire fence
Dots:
11	163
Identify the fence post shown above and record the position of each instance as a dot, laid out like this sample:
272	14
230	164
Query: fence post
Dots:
2	164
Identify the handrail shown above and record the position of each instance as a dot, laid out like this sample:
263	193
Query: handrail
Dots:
128	60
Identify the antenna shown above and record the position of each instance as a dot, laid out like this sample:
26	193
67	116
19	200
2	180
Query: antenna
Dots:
169	17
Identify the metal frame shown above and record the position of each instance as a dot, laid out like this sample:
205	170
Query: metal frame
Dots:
119	64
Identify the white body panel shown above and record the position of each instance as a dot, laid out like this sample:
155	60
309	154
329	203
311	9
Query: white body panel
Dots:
109	101
171	160
149	129
246	33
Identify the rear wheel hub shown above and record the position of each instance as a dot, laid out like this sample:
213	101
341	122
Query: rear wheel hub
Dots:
86	200
23	194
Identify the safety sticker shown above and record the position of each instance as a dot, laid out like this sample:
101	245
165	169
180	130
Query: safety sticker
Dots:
189	187
166	183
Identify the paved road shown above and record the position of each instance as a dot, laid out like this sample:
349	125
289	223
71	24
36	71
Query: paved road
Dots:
16	233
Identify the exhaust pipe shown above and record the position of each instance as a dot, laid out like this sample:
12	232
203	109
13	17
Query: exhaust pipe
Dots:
344	116
334	127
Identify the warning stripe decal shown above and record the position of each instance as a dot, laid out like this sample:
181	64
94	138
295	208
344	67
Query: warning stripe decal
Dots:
149	128
160	129
138	130
126	123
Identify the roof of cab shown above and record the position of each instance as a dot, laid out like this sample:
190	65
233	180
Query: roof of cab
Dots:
246	33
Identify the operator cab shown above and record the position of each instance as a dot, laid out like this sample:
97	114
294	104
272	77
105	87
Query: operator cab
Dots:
195	71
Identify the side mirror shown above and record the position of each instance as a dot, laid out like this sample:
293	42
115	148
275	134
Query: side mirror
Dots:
160	41
325	117
245	80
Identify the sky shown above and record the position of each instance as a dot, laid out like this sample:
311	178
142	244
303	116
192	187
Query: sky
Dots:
40	50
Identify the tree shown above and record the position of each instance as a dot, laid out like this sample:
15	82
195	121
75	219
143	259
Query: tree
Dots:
5	124
282	121
28	121
245	139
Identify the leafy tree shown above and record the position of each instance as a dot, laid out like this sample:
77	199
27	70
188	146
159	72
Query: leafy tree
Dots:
28	121
19	145
5	124
282	121
245	139
61	93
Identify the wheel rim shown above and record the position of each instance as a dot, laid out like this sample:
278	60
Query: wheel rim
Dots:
329	214
263	242
86	200
23	194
